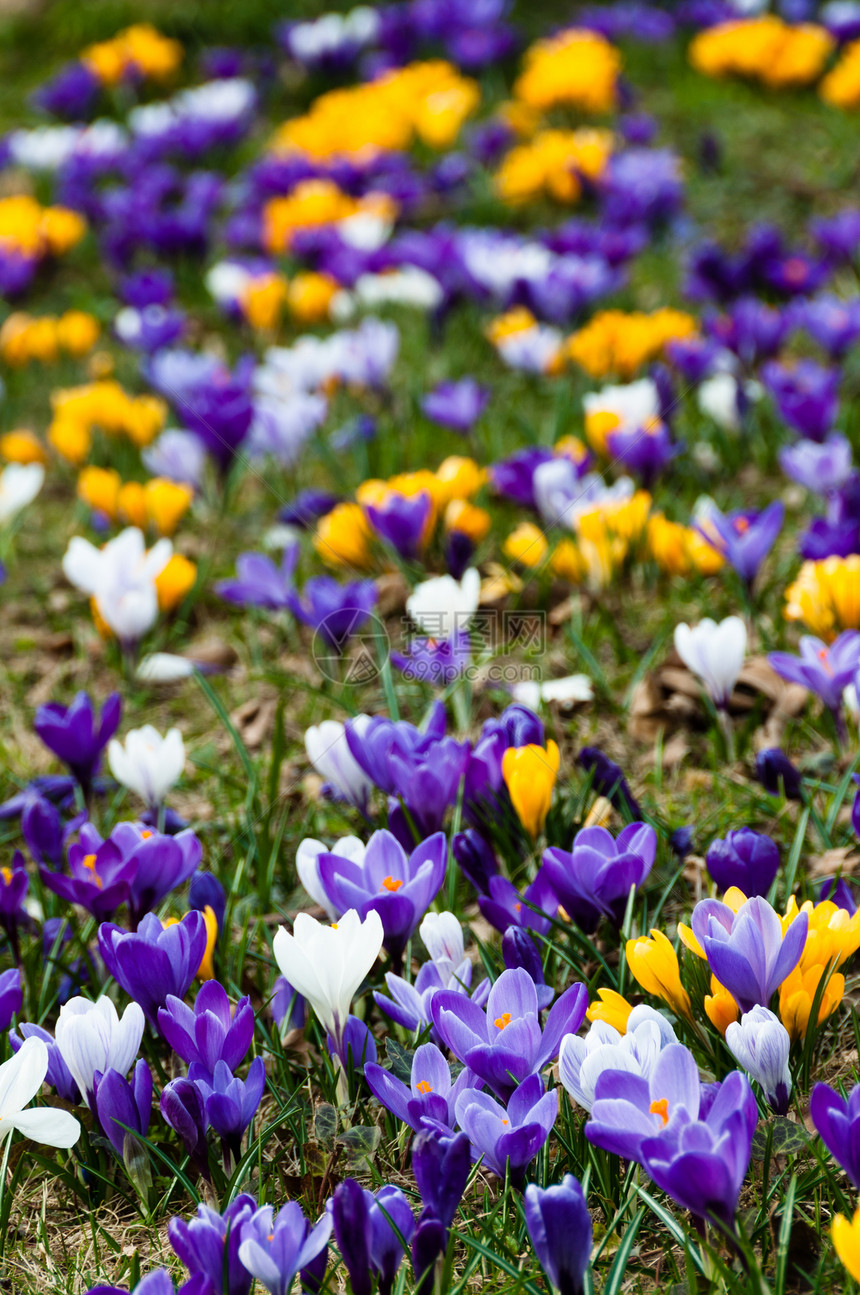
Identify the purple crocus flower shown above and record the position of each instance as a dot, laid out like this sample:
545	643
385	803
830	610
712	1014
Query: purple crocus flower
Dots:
334	611
430	1094
840	893
76	736
838	236
183	1108
644	451
520	950
594	878
433	661
219	409
118	1103
71	94
157	863
364	1227
409	1005
693	357
210	1032
11	998
260	583
154	961
746	859
747	951
752	330
514	477
424	769
14	884
607	779
628	1108
288	1007
209	1244
398	886
702	1163
476	859
42	829
307	508
275	1247
837	1122
231	1103
777	774
160	1282
205	892
504	1044
824	670
441	1167
505	906
559	1227
99	880
821	466
401	521
743	538
509	1137
805	394
457	405
831	322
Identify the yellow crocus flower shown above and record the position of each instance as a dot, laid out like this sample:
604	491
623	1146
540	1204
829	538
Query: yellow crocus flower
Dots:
654	965
530	774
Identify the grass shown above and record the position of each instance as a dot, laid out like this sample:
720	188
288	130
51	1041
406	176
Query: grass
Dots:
68	1222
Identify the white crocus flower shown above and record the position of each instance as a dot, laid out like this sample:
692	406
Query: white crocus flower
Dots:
714	653
760	1044
582	1061
147	763
92	1037
21	1077
634	404
444	606
348	847
326	964
121	578
329	753
443	939
164	667
19	485
567	692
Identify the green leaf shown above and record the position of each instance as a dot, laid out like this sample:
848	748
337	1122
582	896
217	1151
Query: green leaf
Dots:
788	1138
400	1060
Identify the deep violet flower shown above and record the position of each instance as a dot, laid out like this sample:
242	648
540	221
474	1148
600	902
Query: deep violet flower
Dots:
211	1031
154	961
76	735
559	1227
743	858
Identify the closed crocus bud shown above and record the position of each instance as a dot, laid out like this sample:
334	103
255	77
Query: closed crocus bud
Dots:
559	1226
777	774
42	829
441	1166
352	1233
10	997
520	950
608	779
183	1107
476	859
429	1241
530	773
759	1042
122	1106
746	859
205	892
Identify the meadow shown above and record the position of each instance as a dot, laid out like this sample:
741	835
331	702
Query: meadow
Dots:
429	647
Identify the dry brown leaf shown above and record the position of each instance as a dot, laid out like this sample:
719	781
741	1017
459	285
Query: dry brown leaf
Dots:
842	858
254	720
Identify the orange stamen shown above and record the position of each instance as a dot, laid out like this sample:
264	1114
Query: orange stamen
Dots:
423	1086
661	1108
391	883
501	1021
